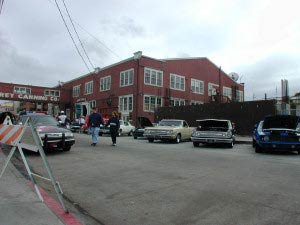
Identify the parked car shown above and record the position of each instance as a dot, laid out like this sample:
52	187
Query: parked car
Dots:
169	129
279	132
52	135
143	123
125	128
214	131
74	127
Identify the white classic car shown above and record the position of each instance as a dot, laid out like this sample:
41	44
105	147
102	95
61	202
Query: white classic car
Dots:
169	129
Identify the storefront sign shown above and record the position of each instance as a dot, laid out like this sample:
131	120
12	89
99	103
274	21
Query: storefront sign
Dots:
28	97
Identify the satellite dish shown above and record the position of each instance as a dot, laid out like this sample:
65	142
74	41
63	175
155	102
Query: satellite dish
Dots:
234	76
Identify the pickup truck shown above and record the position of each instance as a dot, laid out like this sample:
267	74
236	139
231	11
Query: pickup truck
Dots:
169	129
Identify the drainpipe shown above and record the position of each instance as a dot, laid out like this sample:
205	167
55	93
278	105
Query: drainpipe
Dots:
137	56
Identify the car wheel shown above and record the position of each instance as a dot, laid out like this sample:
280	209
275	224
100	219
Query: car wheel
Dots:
130	133
196	144
230	145
178	138
253	143
258	149
134	137
151	140
67	148
298	152
100	134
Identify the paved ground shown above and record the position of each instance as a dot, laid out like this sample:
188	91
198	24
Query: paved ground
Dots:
163	183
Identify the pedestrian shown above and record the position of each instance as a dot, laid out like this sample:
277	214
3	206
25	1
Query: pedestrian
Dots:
94	122
62	118
114	127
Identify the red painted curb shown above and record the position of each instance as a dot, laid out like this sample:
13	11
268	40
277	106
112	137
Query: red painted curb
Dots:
67	218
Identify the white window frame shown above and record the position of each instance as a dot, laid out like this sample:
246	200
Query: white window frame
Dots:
123	78
180	101
105	83
123	102
19	90
240	95
227	91
176	79
92	103
76	91
52	93
153	74
151	106
197	84
210	87
195	102
89	87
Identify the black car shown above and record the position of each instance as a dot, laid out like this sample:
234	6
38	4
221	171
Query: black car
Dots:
139	131
277	133
52	135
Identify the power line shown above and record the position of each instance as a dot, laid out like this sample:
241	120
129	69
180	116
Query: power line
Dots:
1	5
100	42
71	35
77	34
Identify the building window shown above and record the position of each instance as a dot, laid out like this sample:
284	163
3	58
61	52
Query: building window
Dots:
177	82
105	83
239	96
227	92
89	87
126	78
153	77
52	93
197	86
76	91
177	102
125	103
92	103
212	89
22	90
194	102
151	102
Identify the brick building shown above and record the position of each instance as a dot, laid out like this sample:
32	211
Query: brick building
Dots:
135	87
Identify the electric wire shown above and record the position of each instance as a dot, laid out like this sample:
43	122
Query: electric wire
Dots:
71	35
100	42
88	58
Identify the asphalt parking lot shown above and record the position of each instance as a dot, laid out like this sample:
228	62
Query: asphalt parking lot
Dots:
164	183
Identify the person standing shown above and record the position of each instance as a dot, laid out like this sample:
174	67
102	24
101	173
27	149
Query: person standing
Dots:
94	122
114	127
62	118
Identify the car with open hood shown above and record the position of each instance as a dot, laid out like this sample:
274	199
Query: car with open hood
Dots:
53	136
169	129
143	123
277	133
213	131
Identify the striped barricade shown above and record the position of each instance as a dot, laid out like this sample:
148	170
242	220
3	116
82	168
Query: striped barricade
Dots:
10	134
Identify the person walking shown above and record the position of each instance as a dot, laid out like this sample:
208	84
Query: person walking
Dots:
94	122
114	127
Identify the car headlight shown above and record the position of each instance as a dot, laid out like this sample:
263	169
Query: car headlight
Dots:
69	134
169	131
229	134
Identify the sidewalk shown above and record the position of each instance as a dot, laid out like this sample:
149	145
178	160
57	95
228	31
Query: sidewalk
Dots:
19	203
243	139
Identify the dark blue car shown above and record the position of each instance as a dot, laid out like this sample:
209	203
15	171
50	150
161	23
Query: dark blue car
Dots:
280	132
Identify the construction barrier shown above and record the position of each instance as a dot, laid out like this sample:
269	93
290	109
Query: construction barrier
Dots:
11	135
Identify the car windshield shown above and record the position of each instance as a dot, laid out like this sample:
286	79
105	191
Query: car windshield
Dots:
172	123
286	122
42	120
213	125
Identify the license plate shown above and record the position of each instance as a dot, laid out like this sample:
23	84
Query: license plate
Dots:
210	141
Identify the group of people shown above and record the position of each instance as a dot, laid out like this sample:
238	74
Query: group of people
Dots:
96	119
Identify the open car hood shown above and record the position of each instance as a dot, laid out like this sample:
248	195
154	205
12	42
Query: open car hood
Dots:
280	122
144	122
213	125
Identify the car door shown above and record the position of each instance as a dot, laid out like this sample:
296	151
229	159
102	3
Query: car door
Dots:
185	130
126	128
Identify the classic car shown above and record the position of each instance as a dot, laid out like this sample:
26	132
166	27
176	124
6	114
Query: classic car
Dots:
143	123
52	135
125	128
213	131
279	132
169	129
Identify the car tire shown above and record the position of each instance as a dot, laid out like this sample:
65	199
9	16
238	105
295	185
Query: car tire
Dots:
67	148
151	140
258	149
178	138
298	152
253	143
130	133
196	144
134	137
100	134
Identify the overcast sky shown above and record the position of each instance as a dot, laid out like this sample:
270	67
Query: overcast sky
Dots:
258	39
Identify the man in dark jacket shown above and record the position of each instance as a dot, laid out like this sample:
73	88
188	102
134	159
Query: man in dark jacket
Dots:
95	120
114	124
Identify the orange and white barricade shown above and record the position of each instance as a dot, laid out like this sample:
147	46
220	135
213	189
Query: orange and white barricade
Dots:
11	136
